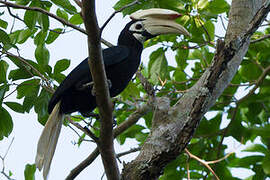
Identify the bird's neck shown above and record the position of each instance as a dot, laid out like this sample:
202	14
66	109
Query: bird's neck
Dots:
128	40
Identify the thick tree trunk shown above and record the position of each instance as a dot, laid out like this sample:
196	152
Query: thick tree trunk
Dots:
173	127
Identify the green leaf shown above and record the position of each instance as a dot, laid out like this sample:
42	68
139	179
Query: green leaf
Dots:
246	162
15	106
25	34
266	164
130	91
80	140
65	4
194	55
261	131
26	88
43	21
218	6
158	66
30	18
53	35
3	71
22	2
202	4
3	24
10	173
62	14
181	58
14	36
130	133
143	5
170	4
256	148
249	71
179	76
41	105
29	172
4	38
59	77
42	55
210	27
31	99
6	124
61	65
3	89
40	38
76	19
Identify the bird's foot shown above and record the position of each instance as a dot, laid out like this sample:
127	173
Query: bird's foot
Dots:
90	114
93	91
114	121
109	83
85	86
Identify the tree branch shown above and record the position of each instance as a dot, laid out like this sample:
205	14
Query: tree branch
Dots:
63	21
265	72
104	103
267	36
206	163
29	67
202	162
84	129
132	150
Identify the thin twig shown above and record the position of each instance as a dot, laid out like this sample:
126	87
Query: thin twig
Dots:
84	129
117	11
148	87
202	162
226	130
188	173
265	72
3	161
207	33
261	39
222	22
28	65
63	21
132	150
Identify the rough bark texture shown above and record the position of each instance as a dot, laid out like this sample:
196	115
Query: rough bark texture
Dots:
173	127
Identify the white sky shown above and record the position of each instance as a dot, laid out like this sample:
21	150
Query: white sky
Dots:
27	130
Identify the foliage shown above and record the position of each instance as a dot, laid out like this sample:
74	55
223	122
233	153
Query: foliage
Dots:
247	117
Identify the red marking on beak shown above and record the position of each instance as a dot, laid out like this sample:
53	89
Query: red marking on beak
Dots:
175	16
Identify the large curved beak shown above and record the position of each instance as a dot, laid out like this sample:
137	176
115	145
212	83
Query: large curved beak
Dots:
160	21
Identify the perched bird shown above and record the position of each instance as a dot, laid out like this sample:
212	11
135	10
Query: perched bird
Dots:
121	63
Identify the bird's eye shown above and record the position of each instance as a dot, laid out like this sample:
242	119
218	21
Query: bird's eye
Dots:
138	26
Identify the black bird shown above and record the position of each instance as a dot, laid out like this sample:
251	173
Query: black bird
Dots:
121	63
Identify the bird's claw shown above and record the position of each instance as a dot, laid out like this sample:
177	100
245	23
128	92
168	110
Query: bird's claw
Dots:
91	84
93	91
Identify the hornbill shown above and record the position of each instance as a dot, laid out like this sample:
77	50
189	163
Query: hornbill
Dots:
121	62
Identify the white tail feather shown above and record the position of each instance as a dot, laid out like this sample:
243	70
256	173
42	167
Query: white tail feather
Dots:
48	140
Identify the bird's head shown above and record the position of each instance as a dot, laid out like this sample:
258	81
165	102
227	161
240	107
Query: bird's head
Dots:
149	23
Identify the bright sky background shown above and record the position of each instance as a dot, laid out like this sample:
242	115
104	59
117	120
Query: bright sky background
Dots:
26	132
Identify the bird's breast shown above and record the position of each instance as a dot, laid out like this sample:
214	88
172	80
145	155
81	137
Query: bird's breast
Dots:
120	75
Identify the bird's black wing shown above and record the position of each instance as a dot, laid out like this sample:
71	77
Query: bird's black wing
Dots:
115	55
81	74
